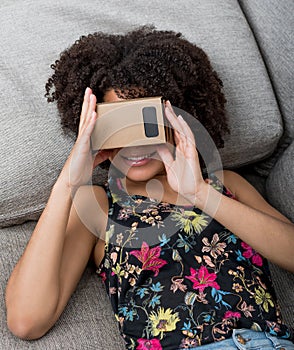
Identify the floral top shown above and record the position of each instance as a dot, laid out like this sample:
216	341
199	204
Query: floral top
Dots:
178	279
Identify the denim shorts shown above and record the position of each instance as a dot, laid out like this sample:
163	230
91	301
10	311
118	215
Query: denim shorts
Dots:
246	339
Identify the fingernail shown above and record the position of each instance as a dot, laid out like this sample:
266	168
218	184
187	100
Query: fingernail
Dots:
87	90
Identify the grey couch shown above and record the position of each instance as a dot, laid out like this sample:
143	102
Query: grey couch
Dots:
249	43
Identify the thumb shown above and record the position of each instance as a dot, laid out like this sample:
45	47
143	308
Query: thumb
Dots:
100	157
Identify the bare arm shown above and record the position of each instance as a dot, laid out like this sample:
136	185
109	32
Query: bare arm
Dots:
49	270
250	217
60	246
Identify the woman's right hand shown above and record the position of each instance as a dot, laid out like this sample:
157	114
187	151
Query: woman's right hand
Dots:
79	167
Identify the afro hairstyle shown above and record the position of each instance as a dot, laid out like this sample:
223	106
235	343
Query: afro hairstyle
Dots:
143	62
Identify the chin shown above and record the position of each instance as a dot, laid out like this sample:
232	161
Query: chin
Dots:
137	177
144	173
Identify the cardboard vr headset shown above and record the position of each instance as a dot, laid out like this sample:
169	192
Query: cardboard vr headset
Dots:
128	123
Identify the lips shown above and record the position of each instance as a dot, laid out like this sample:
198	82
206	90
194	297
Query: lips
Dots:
138	160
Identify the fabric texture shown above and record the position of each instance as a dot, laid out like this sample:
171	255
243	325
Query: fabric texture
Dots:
177	278
33	149
272	24
280	193
279	185
245	339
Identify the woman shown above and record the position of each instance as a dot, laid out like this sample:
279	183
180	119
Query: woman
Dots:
206	284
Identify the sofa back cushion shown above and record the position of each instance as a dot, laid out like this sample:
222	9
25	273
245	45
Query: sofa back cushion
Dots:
272	24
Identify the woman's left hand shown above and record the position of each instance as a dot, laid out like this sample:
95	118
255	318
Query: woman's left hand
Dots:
183	169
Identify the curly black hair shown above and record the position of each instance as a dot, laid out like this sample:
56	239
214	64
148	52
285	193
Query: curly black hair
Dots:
143	62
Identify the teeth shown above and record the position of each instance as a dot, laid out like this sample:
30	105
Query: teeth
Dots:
136	159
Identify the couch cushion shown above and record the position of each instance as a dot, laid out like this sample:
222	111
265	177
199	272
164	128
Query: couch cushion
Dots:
283	282
280	193
33	148
87	322
279	185
272	24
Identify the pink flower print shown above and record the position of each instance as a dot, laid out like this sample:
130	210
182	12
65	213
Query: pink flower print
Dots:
149	258
103	276
229	193
148	344
202	279
119	184
250	253
231	314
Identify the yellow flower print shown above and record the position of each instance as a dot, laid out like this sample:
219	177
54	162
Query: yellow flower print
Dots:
132	281
115	197
163	321
108	234
237	287
189	221
119	239
264	298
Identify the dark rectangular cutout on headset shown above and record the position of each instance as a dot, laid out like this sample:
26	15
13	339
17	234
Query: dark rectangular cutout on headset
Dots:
150	121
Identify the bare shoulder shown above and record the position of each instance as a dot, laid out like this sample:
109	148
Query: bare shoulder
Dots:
234	182
91	205
246	193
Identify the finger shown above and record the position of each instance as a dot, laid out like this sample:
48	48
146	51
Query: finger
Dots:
92	106
181	140
88	112
187	130
165	155
182	125
100	157
179	131
185	144
173	119
88	118
85	105
89	127
177	137
169	106
181	156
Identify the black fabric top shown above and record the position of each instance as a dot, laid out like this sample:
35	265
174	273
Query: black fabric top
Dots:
177	278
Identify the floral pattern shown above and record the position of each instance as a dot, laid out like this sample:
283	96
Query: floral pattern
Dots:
163	321
149	258
185	287
202	279
148	344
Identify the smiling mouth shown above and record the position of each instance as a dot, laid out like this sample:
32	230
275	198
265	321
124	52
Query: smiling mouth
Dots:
138	159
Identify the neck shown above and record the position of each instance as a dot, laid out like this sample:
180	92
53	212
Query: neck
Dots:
156	188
